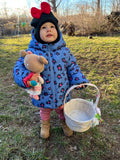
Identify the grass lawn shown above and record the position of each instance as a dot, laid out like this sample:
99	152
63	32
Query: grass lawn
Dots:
99	60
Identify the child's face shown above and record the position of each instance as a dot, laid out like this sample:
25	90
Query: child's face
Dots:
48	32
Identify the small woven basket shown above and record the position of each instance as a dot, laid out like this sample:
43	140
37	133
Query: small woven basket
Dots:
80	113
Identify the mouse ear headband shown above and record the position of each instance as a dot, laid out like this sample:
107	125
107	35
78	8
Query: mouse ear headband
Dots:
45	8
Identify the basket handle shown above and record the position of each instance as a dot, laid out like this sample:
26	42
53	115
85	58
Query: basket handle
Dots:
88	84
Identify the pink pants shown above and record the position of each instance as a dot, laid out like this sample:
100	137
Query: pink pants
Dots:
45	113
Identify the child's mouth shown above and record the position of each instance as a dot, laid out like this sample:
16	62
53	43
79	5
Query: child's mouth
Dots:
49	35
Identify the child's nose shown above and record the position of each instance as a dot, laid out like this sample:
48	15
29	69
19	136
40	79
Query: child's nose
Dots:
48	29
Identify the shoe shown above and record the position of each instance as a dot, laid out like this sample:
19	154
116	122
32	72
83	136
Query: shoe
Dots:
67	131
45	129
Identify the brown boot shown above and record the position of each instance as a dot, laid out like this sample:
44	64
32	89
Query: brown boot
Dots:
67	131
45	128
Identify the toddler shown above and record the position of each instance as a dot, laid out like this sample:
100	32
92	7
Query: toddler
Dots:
59	74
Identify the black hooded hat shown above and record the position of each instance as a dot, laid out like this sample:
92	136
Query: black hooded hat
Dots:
40	16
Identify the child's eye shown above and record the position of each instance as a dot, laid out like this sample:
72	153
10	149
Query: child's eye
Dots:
52	26
43	27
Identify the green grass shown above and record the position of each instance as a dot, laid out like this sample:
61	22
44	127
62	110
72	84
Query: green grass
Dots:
99	60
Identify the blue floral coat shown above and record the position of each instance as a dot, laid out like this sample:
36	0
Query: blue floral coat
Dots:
61	72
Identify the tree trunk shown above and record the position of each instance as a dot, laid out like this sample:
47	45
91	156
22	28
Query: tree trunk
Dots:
98	6
54	4
54	8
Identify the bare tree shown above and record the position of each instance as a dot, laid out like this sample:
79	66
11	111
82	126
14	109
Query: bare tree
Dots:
5	9
115	5
98	6
55	4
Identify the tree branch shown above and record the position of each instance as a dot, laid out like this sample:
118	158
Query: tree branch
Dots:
59	3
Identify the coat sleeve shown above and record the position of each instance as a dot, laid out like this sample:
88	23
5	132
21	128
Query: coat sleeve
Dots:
74	73
21	74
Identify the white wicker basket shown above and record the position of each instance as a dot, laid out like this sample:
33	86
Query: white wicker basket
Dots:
80	113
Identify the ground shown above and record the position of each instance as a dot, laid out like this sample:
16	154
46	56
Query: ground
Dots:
99	60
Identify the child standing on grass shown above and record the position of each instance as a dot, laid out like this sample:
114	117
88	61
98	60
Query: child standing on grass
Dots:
61	72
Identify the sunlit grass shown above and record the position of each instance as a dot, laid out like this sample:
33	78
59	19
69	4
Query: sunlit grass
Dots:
99	60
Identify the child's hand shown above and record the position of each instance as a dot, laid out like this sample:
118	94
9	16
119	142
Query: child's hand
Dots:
81	86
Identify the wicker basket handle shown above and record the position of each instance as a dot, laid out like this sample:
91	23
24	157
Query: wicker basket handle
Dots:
88	84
